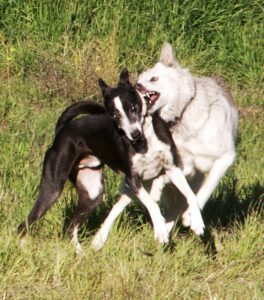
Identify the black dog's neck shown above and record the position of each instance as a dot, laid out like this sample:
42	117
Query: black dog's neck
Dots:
141	145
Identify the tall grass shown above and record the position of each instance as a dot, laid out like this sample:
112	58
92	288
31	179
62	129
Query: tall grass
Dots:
210	36
51	54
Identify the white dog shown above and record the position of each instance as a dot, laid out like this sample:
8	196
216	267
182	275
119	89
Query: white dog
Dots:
203	122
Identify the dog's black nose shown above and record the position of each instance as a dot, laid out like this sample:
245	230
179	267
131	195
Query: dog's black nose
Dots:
139	86
136	135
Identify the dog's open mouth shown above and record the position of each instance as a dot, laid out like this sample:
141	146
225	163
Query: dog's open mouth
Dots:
151	97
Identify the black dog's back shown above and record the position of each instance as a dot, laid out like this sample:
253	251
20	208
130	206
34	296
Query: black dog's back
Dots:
96	135
76	109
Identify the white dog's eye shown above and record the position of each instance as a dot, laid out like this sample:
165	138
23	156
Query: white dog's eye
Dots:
154	79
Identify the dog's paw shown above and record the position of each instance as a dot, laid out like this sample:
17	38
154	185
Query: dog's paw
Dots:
79	250
197	224
186	218
161	232
99	240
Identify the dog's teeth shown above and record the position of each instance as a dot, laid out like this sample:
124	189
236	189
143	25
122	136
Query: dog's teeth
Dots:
146	96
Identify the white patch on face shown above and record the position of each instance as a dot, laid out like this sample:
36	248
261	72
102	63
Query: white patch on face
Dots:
125	123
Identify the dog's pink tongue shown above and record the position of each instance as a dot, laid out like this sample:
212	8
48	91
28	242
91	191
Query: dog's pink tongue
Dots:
154	98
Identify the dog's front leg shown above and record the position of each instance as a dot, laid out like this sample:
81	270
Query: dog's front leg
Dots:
157	186
176	176
161	232
102	235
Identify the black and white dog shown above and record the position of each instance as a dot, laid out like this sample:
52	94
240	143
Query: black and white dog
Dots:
125	139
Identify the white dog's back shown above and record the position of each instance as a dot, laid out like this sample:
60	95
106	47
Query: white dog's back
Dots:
207	128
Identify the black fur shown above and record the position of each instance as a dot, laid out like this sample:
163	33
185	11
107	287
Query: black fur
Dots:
162	131
95	135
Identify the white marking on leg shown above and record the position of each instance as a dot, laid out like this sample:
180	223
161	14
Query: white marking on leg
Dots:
157	186
186	218
125	123
91	180
177	177
160	230
102	235
75	241
90	162
170	225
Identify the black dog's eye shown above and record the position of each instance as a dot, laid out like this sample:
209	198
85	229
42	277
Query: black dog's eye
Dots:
154	79
116	115
133	108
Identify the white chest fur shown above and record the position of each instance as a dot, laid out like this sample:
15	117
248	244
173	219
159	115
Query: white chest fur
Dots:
150	164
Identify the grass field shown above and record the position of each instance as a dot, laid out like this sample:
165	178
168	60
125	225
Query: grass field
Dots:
51	54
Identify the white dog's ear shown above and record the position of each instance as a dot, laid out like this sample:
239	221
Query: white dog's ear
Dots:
167	56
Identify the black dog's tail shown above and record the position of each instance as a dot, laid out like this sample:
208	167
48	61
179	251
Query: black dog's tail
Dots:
78	108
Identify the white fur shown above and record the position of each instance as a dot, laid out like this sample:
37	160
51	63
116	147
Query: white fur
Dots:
157	187
91	180
76	242
161	232
148	166
205	135
126	125
90	162
101	236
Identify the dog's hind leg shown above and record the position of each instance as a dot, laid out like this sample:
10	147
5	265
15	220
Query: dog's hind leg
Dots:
207	187
56	169
89	185
216	173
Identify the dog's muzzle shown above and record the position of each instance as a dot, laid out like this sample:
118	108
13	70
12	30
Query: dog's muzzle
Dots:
136	135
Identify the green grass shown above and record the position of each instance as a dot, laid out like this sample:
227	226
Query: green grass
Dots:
51	54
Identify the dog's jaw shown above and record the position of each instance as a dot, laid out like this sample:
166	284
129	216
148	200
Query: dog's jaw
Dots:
150	97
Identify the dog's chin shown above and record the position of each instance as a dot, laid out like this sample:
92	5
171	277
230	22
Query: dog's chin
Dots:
140	146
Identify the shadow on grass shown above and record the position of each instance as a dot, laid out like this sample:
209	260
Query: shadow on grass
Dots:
229	205
233	204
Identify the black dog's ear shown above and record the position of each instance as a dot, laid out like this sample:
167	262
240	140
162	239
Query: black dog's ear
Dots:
124	75
124	78
106	89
